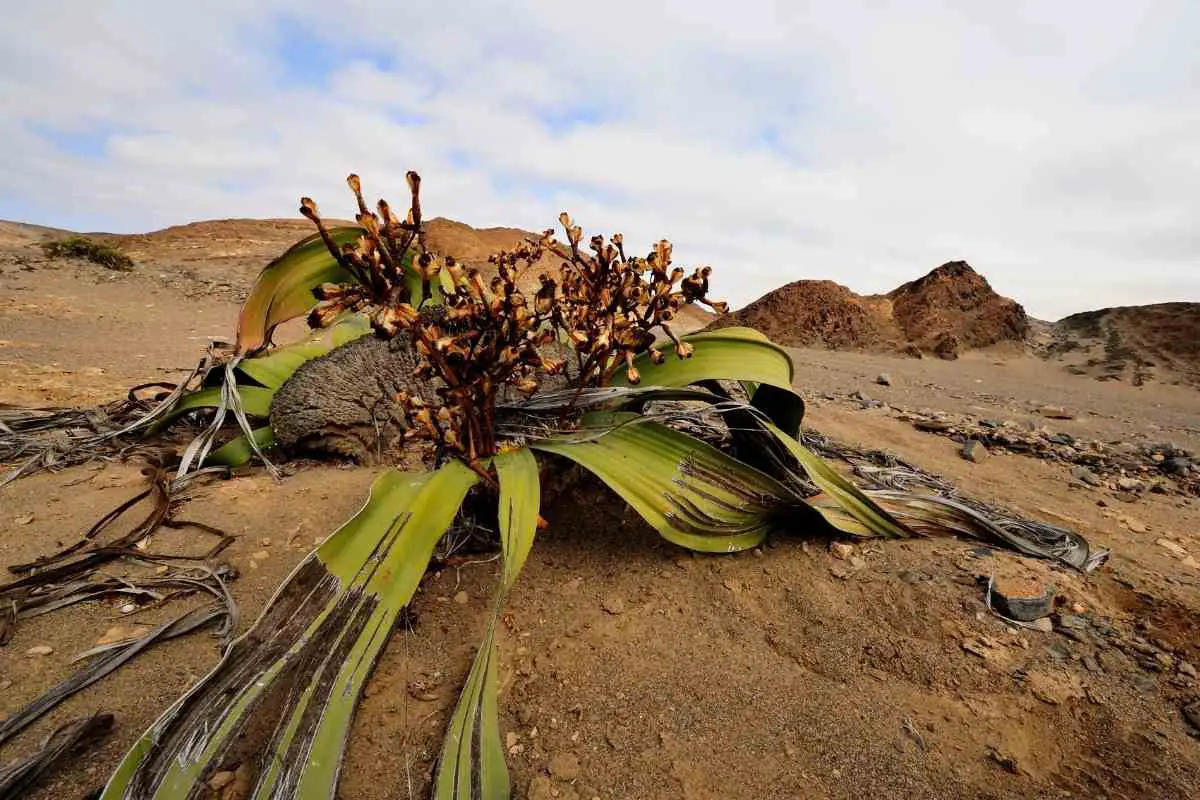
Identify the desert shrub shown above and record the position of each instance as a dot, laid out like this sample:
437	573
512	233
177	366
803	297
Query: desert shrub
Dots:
100	253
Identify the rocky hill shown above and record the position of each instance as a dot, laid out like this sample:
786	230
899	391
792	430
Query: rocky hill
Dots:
954	308
1131	343
812	313
950	310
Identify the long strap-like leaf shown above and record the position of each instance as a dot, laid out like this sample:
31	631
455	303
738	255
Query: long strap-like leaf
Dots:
690	492
851	510
471	766
283	289
736	354
312	650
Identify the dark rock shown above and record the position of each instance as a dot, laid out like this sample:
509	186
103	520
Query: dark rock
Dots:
1058	652
1177	465
1191	713
1073	621
1024	600
1074	627
1126	497
933	425
973	606
1149	664
974	451
1143	683
947	347
883	379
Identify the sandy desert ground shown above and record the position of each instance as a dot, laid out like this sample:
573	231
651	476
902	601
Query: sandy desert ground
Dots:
632	669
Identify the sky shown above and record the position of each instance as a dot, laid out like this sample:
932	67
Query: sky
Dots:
1053	144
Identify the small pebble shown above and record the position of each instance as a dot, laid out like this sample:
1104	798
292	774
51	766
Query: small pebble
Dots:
39	650
613	604
1055	412
1172	547
974	451
842	550
461	598
565	766
1134	524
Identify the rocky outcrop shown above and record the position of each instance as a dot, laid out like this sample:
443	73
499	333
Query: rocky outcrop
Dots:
948	311
953	308
818	314
1135	343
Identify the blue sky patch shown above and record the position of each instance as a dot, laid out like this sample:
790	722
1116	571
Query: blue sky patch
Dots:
83	144
308	59
565	120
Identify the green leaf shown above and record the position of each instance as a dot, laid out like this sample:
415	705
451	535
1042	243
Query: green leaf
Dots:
296	676
783	407
734	331
255	400
237	451
691	493
847	507
520	499
350	327
272	369
612	398
734	354
283	290
472	760
416	288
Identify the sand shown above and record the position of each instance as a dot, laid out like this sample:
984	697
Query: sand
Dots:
782	672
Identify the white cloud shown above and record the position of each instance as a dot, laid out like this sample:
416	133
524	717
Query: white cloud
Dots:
1051	145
